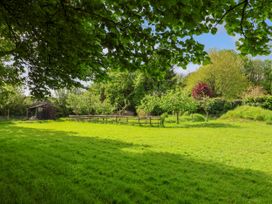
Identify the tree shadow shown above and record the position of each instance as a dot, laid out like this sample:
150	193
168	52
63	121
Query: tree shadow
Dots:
183	125
207	125
42	166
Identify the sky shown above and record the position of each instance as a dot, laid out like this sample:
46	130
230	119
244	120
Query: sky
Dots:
221	40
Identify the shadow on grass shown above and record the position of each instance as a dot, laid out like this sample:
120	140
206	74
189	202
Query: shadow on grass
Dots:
41	166
181	125
195	125
207	125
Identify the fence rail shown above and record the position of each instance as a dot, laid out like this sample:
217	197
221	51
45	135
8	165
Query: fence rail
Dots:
147	120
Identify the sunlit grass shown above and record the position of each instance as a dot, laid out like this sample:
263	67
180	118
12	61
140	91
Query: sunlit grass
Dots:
77	162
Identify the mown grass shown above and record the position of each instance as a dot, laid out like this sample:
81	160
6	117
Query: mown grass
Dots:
77	162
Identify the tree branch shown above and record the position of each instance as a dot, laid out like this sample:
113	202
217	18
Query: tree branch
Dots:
8	52
242	18
231	9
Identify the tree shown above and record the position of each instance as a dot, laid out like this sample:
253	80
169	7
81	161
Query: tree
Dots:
267	82
125	90
259	73
60	102
10	73
178	102
254	92
12	101
149	103
254	70
224	75
61	42
82	103
88	102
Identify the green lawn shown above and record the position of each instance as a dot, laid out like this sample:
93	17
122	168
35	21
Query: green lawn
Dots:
77	162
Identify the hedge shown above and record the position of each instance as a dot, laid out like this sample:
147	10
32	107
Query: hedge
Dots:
262	101
218	106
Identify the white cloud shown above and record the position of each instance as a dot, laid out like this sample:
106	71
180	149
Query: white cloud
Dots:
190	68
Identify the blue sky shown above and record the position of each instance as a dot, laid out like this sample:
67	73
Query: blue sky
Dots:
221	40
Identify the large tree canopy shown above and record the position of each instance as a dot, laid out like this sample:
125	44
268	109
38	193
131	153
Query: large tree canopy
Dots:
60	42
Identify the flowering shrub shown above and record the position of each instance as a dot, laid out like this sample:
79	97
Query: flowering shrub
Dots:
201	90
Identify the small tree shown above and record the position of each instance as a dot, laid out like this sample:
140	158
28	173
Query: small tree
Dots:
206	105
89	103
75	102
104	107
203	93
12	100
148	104
178	102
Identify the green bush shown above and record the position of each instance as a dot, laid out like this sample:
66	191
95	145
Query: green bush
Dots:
186	113
218	106
198	117
250	113
186	118
261	101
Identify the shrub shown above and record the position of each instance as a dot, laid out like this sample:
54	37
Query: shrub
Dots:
217	106
186	113
201	90
141	112
163	117
198	117
186	118
250	113
262	101
254	91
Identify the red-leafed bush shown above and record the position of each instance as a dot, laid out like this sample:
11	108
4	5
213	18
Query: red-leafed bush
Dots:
201	90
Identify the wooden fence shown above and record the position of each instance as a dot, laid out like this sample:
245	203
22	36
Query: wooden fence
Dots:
147	120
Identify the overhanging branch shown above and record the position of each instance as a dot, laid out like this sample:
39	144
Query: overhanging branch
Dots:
245	2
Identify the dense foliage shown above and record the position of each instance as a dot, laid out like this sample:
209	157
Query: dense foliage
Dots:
126	89
88	103
259	73
57	43
224	75
173	101
264	102
229	81
13	102
150	105
215	107
177	102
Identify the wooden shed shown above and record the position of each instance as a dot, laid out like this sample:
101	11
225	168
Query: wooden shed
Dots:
41	111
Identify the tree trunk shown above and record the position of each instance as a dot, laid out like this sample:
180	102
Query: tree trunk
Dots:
207	116
177	117
8	114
